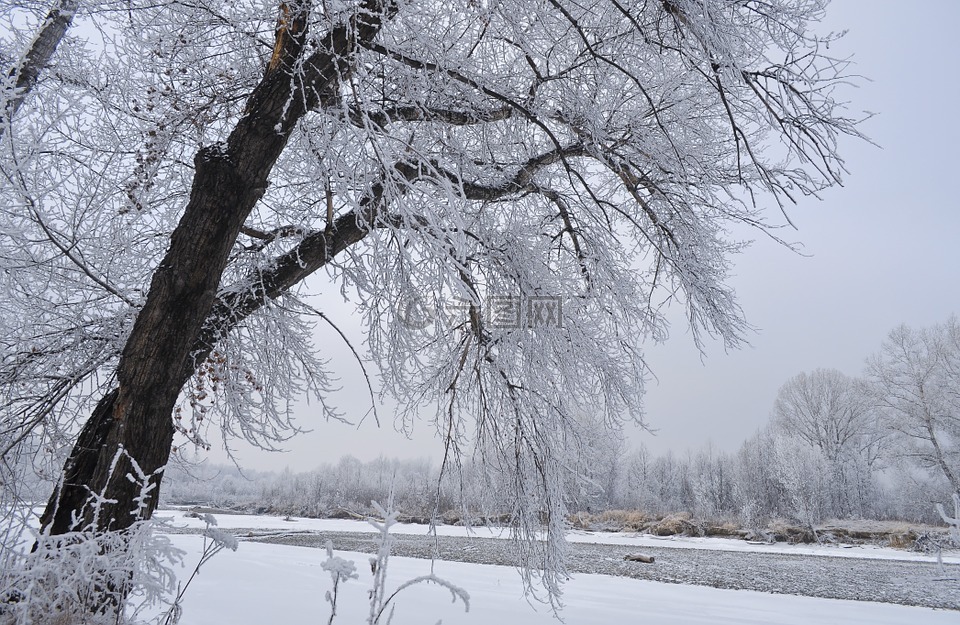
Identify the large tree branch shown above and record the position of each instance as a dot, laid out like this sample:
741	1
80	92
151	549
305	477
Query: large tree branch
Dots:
23	78
522	180
317	248
409	113
262	285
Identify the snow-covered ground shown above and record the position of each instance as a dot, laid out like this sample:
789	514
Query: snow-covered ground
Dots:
295	524
263	584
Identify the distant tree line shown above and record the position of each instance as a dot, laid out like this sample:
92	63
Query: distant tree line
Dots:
882	446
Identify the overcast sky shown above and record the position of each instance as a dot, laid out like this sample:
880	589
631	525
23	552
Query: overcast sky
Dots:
884	249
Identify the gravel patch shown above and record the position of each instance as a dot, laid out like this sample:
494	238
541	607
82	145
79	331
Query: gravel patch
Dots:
859	579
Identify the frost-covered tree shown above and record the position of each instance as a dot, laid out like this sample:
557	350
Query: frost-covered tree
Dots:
916	383
801	472
637	488
824	410
535	178
713	484
594	456
830	412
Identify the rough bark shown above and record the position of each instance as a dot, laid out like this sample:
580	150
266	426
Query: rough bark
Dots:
134	421
70	494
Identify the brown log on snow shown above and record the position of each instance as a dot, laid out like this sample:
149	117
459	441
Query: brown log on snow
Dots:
638	557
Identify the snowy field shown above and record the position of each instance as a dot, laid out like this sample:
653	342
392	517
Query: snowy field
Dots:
264	584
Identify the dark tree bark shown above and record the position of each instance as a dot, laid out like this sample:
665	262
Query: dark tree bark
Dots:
182	317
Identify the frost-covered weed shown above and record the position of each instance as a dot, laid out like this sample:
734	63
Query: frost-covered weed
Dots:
215	540
87	575
952	522
381	602
91	578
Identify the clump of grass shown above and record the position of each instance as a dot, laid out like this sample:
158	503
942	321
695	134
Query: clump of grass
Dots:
626	520
724	529
906	540
612	521
675	525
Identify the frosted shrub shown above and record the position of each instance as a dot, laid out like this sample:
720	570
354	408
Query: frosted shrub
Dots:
91	576
99	578
88	577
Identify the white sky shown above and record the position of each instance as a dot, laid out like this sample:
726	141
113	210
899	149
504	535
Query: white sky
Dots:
882	250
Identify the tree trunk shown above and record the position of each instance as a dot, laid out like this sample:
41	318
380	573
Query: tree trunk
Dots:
133	422
938	454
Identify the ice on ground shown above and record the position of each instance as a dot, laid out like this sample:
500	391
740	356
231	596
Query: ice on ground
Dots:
272	523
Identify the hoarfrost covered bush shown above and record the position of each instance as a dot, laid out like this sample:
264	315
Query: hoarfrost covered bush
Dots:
94	576
88	577
100	578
